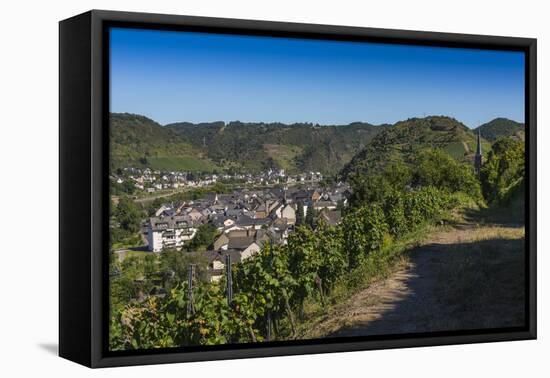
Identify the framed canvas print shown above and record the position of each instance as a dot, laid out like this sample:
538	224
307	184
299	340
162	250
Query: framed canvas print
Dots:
233	188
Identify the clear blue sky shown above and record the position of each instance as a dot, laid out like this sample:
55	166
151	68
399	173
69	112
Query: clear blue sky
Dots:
196	77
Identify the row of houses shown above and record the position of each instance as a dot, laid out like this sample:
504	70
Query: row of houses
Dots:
150	180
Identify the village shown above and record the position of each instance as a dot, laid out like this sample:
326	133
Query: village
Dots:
244	219
147	180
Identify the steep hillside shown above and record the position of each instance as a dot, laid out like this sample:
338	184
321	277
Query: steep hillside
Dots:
296	148
401	141
501	127
139	141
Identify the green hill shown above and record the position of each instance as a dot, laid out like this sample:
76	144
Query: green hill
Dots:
296	148
501	127
139	141
401	141
252	147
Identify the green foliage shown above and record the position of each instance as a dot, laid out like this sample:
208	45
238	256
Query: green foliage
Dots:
128	280
207	147
304	262
311	215
218	187
428	168
175	263
500	127
364	231
204	238
503	173
127	187
128	215
375	188
299	213
404	140
394	208
267	279
141	142
163	323
436	168
180	163
330	250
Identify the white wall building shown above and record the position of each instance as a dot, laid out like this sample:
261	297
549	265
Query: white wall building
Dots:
169	232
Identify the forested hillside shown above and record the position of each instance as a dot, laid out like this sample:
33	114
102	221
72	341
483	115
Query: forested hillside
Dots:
402	141
139	141
295	148
249	147
252	147
501	127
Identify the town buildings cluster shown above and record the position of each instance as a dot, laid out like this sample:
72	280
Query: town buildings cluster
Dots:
244	219
150	180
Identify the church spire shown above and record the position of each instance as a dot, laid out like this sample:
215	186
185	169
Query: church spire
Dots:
478	159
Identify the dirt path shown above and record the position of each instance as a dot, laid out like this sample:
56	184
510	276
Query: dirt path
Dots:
467	277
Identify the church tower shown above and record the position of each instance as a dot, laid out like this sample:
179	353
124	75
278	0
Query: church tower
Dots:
478	159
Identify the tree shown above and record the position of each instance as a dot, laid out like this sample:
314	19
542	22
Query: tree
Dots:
218	187
438	169
203	238
503	174
428	168
128	215
175	264
310	216
300	213
268	164
374	188
128	187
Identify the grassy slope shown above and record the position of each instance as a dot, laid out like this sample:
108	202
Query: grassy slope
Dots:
134	137
284	155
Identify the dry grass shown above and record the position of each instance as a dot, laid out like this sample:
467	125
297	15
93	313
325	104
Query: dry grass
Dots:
482	280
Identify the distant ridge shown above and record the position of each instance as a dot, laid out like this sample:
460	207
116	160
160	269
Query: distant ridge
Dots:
300	147
501	127
401	141
294	147
139	141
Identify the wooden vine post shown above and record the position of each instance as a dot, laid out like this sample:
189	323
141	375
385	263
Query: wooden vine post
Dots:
289	313
229	279
319	283
190	274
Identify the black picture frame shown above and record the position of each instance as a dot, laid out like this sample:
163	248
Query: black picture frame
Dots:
84	189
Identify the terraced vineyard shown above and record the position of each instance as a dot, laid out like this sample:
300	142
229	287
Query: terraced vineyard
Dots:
405	139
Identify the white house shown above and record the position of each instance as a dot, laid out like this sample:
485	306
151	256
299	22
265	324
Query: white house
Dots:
287	212
169	232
